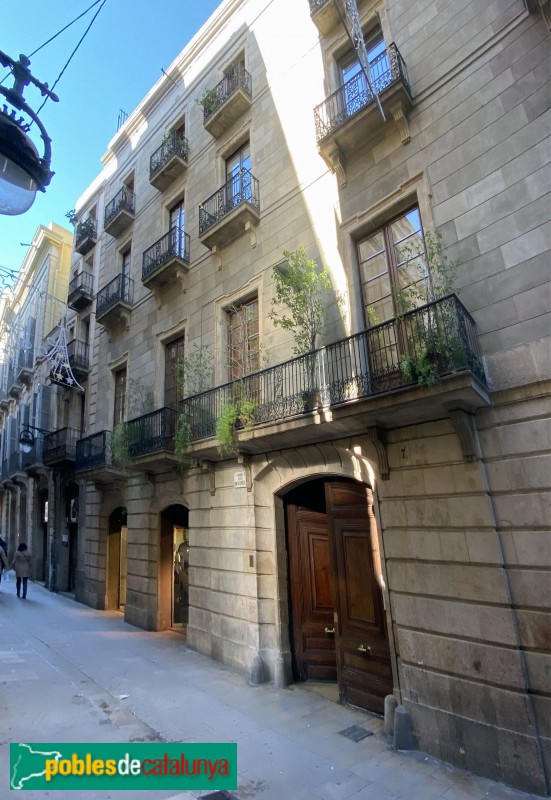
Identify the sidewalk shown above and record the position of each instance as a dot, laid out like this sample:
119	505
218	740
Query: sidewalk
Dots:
69	673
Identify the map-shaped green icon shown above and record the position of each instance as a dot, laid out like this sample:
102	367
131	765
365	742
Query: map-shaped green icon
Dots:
28	763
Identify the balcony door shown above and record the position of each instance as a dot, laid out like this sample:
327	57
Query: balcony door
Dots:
177	223
238	177
356	92
391	260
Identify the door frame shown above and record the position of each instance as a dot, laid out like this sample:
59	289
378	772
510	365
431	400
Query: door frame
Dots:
281	497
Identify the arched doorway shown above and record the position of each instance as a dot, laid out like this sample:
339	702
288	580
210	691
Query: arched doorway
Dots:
173	608
116	559
338	628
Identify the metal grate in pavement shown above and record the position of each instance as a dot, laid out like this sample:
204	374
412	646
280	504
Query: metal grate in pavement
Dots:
221	795
356	733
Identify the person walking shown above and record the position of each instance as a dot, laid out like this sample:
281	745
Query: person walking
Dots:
3	559
22	565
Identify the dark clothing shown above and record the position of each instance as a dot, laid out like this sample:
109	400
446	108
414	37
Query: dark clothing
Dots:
18	582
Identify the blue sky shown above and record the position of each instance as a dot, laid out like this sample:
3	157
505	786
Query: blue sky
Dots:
120	59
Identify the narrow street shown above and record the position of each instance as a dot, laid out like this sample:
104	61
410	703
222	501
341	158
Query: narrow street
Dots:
69	673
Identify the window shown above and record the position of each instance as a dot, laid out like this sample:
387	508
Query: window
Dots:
126	260
390	260
356	93
119	414
243	339
238	176
173	392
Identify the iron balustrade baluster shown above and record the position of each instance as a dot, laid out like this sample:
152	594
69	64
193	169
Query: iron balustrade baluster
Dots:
240	188
151	433
347	100
359	366
83	282
174	145
120	289
236	78
175	243
124	200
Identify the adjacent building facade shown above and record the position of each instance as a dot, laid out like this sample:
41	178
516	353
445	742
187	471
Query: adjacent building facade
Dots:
39	402
373	513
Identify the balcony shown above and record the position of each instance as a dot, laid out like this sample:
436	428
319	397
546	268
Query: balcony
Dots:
60	447
119	212
115	301
401	372
350	116
79	358
169	161
81	291
94	459
25	365
324	15
151	440
167	260
33	462
16	471
85	236
14	385
230	211
228	101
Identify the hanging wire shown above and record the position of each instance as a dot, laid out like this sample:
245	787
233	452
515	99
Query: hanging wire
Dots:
56	35
72	54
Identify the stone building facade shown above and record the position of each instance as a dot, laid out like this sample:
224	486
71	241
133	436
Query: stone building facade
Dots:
39	493
380	520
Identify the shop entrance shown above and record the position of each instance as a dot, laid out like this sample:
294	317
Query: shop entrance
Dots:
338	622
116	559
174	569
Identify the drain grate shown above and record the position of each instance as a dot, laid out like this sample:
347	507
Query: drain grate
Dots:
222	795
356	733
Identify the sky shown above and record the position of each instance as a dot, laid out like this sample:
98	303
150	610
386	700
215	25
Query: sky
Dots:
120	59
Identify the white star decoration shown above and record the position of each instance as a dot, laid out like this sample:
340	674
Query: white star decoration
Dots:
58	357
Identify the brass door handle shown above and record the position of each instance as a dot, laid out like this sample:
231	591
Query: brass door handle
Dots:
330	631
363	649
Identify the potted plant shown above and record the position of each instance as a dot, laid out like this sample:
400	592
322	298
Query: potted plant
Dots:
194	374
236	414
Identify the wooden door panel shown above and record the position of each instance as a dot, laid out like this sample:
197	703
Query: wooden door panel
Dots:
311	595
363	653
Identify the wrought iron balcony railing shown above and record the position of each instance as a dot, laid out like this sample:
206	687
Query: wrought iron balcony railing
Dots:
175	243
94	452
119	290
81	290
16	463
124	200
236	78
85	235
335	110
25	360
173	145
151	433
240	188
435	340
60	445
78	353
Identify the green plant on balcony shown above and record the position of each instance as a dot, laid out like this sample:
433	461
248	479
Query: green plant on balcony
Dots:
194	374
236	414
303	289
83	228
434	348
209	101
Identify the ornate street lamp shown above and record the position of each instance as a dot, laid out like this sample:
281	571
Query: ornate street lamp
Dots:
26	438
22	170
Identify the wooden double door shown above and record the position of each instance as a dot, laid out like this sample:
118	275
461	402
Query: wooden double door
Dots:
338	621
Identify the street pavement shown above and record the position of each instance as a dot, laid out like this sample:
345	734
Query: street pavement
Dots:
72	674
